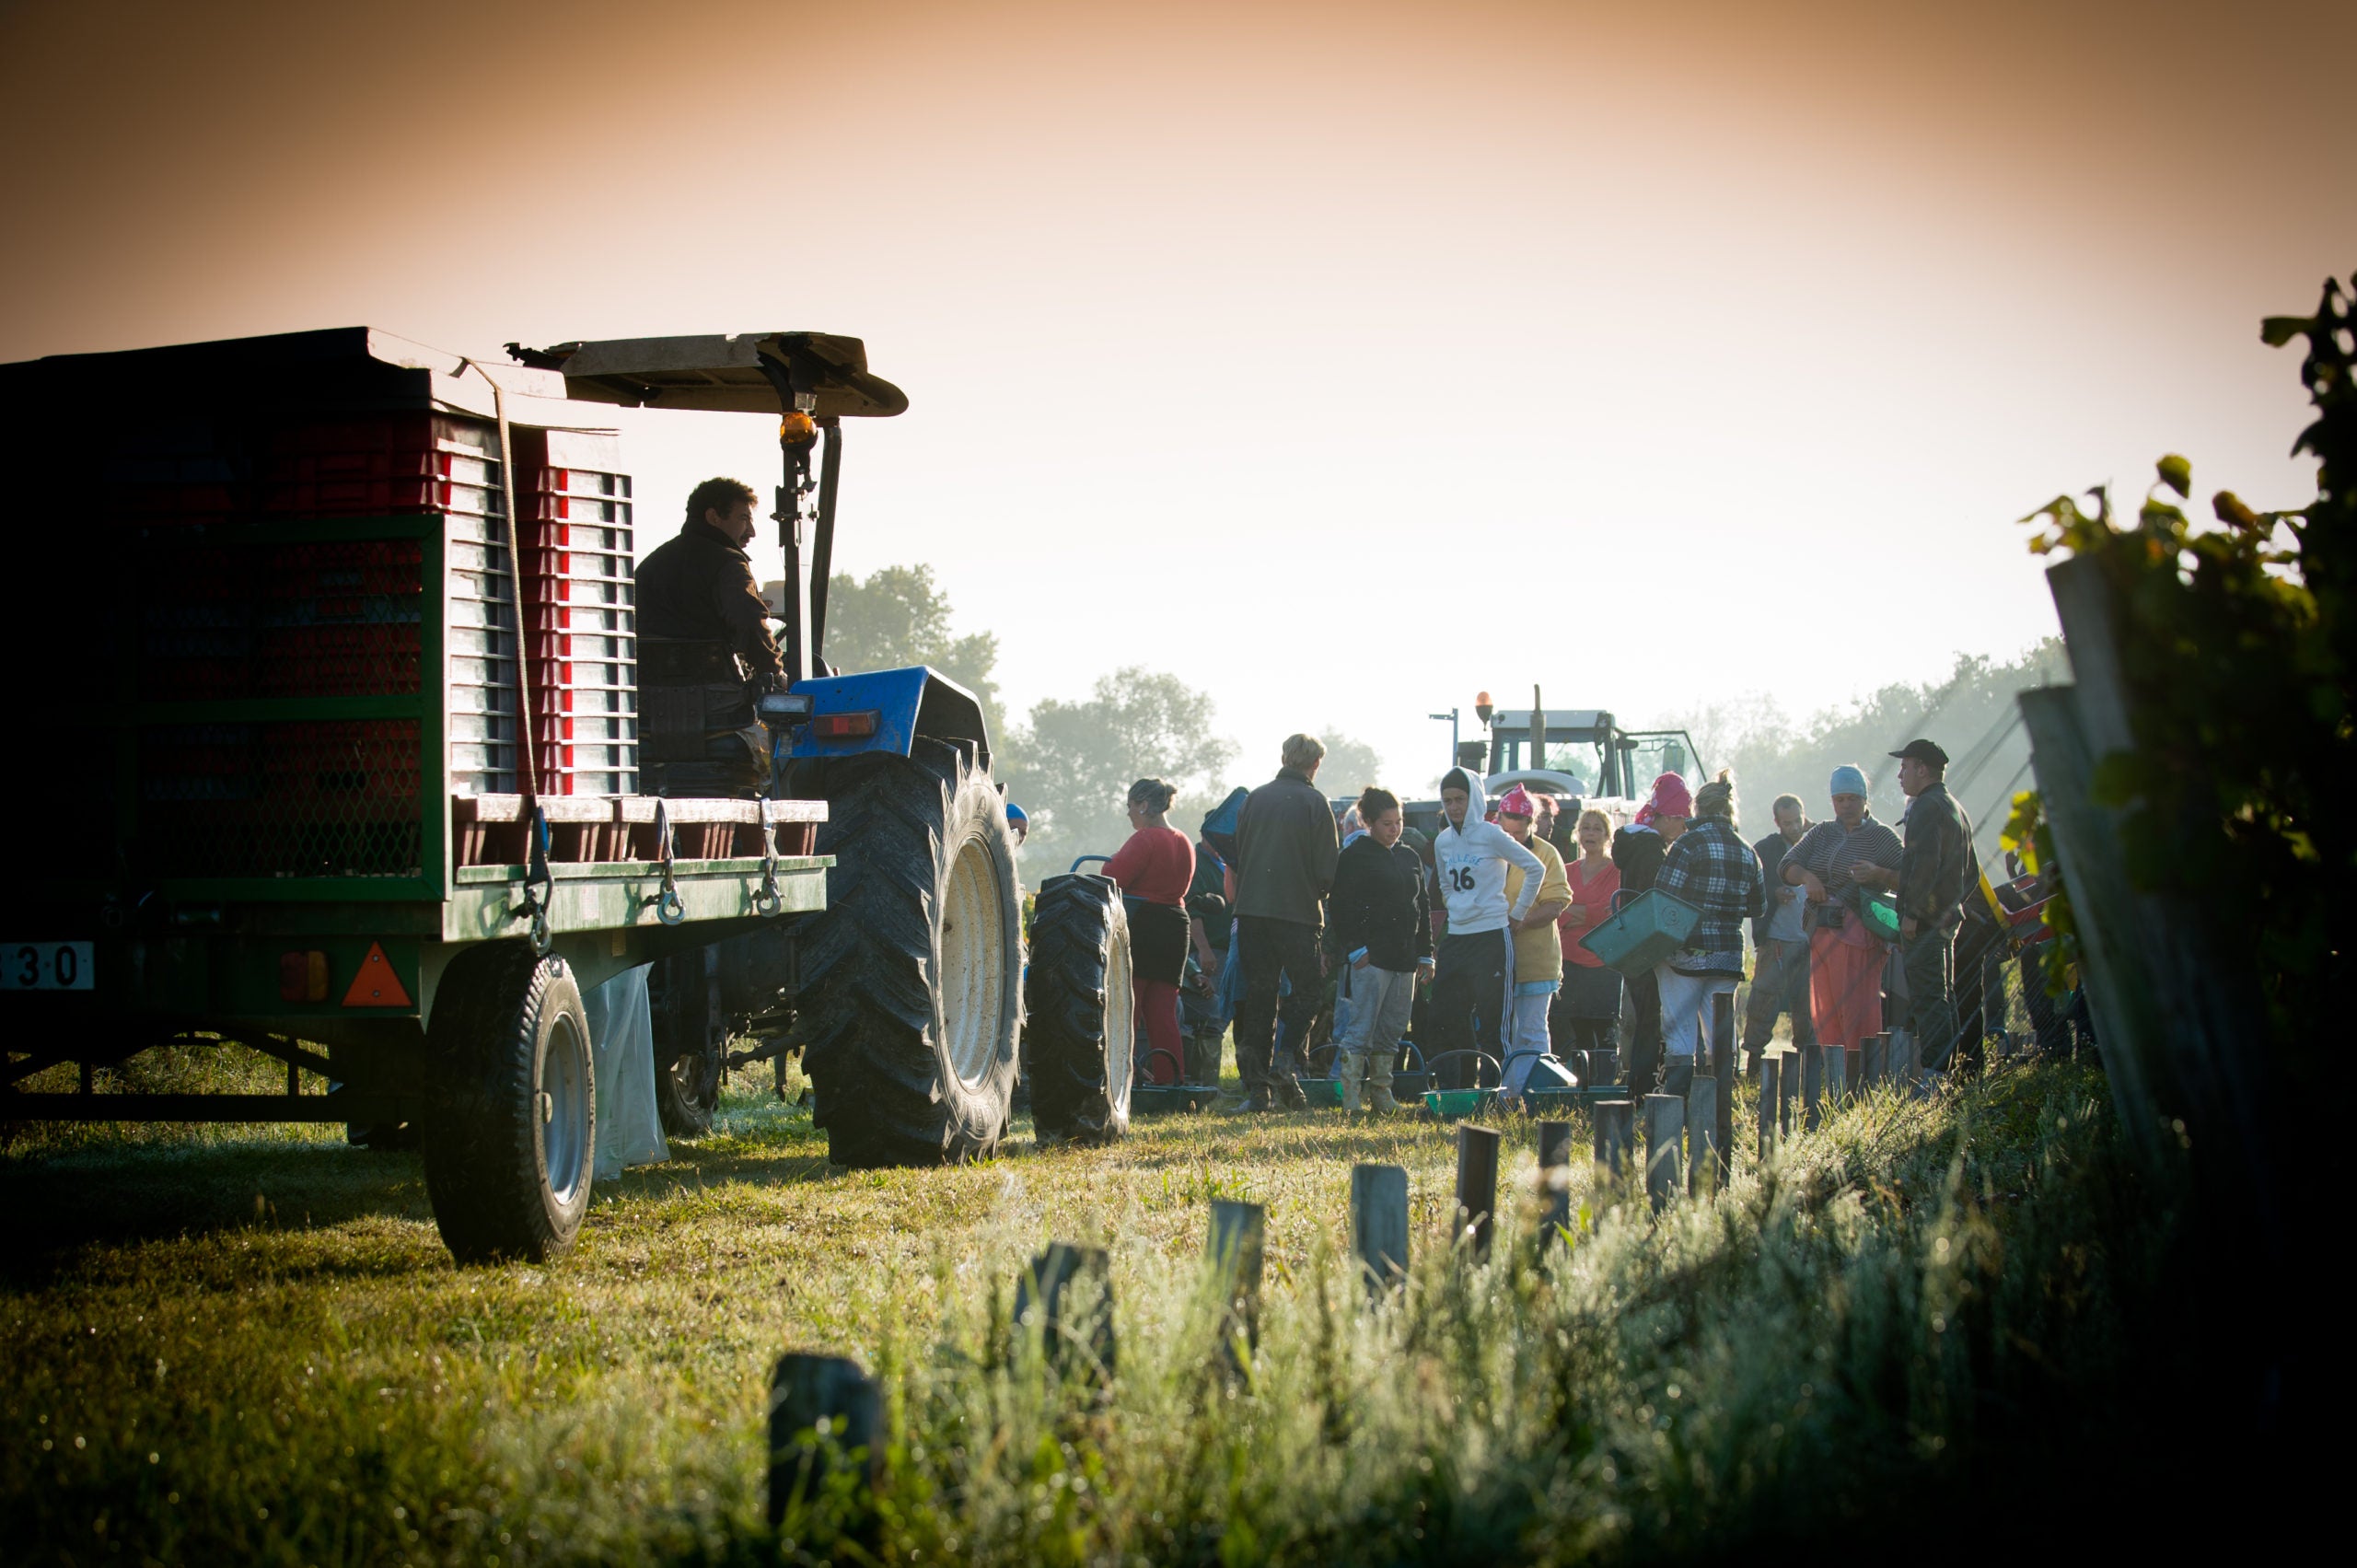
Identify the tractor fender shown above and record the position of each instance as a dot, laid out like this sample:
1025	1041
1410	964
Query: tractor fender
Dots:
907	704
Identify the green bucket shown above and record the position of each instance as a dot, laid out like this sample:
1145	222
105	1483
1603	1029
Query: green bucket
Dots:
1643	931
1879	911
1454	1102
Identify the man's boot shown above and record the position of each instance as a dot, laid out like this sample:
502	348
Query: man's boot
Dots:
1349	1070
1379	1085
1678	1077
1202	1059
1285	1090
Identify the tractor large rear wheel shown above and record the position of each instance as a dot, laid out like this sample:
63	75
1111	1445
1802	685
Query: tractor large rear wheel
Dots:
911	994
1078	1011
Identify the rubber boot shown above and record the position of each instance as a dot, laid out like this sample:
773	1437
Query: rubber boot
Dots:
1379	1085
1349	1071
1677	1077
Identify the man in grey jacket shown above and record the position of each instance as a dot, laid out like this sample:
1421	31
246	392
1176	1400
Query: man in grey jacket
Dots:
1285	847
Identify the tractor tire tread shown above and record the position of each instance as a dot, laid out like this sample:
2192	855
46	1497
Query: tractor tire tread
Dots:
1076	923
481	1162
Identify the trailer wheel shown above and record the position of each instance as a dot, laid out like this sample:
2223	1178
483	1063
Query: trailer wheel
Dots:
691	1040
511	1139
1078	1009
909	999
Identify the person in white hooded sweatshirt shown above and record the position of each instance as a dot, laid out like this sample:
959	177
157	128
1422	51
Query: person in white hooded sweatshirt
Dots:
1473	989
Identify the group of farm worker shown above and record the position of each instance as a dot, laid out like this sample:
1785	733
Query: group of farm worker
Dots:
1809	891
1475	933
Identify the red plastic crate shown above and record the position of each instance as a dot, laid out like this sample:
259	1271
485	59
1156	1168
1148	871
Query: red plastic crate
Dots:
365	497
403	432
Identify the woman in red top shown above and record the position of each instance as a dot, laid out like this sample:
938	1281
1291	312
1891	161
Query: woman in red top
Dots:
1153	870
1587	1008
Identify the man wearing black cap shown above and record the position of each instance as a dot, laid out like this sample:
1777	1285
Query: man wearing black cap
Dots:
1935	872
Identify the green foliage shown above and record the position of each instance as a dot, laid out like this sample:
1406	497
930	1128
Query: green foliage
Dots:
1925	1306
899	617
2240	651
2029	835
1080	758
1350	766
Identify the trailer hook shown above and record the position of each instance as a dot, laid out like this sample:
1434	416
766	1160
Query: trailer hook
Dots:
768	901
539	883
669	907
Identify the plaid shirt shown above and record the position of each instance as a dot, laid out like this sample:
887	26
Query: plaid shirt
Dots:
1714	870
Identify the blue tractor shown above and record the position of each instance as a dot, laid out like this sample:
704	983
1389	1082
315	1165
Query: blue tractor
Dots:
905	994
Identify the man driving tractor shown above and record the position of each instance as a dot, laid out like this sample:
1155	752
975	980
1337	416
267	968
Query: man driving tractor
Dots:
706	654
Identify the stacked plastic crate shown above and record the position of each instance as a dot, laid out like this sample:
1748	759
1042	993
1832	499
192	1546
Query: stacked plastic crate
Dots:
406	463
243	594
576	534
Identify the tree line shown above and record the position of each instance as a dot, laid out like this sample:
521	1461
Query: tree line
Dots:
1070	760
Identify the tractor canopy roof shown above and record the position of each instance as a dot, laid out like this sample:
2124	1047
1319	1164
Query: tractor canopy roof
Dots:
736	373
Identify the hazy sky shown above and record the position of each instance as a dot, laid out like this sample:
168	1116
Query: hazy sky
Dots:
1341	359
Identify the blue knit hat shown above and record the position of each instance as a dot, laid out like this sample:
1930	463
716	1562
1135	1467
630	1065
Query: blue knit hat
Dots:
1849	779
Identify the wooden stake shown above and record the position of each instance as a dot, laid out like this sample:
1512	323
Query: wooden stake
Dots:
1875	1070
1664	1129
1554	1180
1477	1186
1379	1224
1722	1054
1771	1077
822	1409
1041	1303
1239	1239
1616	1138
1702	1137
1906	1069
1834	1067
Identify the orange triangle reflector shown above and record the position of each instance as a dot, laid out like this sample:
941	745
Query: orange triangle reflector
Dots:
377	985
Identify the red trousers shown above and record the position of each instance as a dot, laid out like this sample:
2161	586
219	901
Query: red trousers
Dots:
1845	988
1157	1004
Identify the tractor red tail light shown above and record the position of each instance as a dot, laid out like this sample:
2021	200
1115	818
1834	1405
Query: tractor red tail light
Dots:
303	977
844	726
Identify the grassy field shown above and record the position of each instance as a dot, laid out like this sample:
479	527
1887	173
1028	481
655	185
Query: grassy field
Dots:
247	1344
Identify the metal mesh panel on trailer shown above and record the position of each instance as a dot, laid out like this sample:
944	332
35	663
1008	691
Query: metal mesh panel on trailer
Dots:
316	797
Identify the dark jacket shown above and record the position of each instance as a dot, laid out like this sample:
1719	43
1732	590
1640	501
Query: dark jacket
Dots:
1937	867
1378	904
700	587
1639	856
1285	845
1770	850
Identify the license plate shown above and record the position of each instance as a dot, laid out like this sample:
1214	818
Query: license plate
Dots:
46	966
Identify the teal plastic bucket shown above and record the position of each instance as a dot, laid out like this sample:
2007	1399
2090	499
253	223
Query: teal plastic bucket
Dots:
1880	912
1643	931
